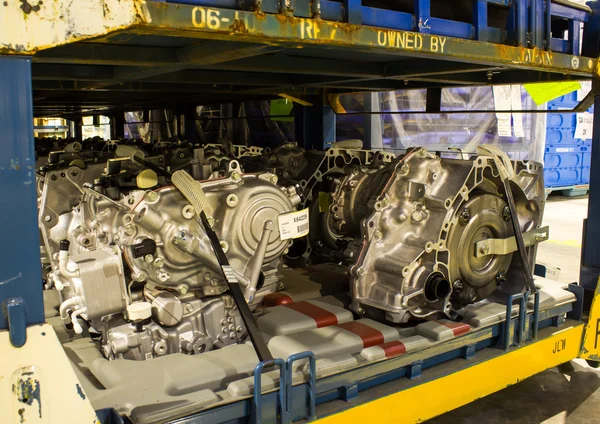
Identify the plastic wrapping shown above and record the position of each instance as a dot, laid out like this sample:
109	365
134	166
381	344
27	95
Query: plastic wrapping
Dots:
447	131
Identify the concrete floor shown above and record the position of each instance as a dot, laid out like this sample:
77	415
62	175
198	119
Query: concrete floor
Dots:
569	395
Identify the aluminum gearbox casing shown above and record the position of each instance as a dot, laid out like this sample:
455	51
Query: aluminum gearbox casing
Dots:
416	223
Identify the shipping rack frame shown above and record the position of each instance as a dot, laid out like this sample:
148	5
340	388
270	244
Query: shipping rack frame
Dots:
23	331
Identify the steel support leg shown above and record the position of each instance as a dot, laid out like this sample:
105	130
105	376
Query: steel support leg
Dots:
20	274
590	251
373	131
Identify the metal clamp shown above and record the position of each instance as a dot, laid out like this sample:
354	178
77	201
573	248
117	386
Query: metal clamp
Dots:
508	245
534	323
522	298
285	386
258	370
312	385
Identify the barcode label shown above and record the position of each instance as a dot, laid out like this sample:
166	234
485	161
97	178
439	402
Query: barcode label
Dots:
293	224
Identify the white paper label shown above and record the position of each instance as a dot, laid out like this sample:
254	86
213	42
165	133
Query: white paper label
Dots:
515	103
293	224
583	129
586	87
565	149
502	101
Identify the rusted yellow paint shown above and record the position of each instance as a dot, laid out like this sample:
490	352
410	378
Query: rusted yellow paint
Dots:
465	386
27	26
590	348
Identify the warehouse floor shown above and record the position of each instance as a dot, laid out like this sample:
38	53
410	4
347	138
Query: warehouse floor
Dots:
569	395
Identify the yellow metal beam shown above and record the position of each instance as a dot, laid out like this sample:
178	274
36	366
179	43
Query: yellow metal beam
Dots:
590	348
465	386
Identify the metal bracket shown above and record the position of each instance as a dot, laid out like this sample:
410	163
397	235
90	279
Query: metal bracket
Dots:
258	370
286	386
312	384
509	245
524	325
15	311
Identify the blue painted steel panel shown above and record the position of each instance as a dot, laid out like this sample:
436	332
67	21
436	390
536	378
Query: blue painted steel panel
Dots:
387	19
20	273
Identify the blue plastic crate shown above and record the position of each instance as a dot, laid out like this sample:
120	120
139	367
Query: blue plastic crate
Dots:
566	156
562	177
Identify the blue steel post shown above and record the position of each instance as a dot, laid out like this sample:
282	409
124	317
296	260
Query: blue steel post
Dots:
480	19
422	15
20	273
590	254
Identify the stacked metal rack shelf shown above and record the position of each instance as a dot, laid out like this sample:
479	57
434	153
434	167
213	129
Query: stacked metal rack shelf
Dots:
111	56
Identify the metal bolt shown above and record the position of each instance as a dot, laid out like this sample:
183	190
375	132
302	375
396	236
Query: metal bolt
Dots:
404	170
214	282
230	320
417	216
224	321
149	258
129	230
235	176
207	276
274	179
225	330
232	335
500	278
506	213
211	221
183	288
465	216
484	248
378	235
47	218
152	196
360	272
159	262
232	327
458	286
131	201
189	308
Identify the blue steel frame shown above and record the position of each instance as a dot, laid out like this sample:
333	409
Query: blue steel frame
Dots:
20	275
528	24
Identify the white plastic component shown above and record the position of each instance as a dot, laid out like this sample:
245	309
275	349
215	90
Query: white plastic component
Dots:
68	305
192	190
443	329
329	341
67	268
139	311
129	152
283	320
76	325
404	345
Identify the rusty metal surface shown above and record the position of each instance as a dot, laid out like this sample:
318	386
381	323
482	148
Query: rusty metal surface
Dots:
131	54
205	22
27	26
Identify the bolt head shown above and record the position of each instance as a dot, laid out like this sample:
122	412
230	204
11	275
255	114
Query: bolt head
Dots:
149	258
159	262
484	248
183	288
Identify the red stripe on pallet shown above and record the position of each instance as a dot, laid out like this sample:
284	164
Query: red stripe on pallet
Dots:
322	317
393	348
276	299
457	328
369	335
